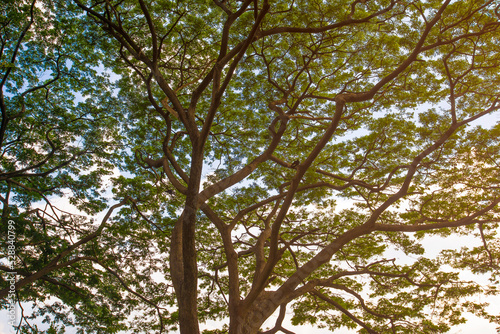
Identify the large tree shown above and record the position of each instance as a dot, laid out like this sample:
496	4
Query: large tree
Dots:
268	156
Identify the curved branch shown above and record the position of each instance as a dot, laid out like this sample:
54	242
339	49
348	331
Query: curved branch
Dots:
54	263
469	220
345	311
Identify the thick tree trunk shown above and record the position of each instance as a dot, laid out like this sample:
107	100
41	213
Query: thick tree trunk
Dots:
188	303
184	271
183	262
251	317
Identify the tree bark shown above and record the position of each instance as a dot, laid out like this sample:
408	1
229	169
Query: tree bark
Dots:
183	261
253	316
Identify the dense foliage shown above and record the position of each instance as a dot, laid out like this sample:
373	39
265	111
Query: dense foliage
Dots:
166	163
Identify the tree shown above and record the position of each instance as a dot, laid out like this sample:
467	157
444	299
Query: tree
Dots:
52	145
333	132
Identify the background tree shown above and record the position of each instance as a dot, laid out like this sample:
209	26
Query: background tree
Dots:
334	132
58	139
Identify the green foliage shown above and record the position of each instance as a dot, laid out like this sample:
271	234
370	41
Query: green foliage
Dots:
286	154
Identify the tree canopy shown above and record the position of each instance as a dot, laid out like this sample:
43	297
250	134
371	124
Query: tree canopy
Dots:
235	159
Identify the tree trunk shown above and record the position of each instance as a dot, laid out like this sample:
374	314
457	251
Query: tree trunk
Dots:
183	262
188	301
252	317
